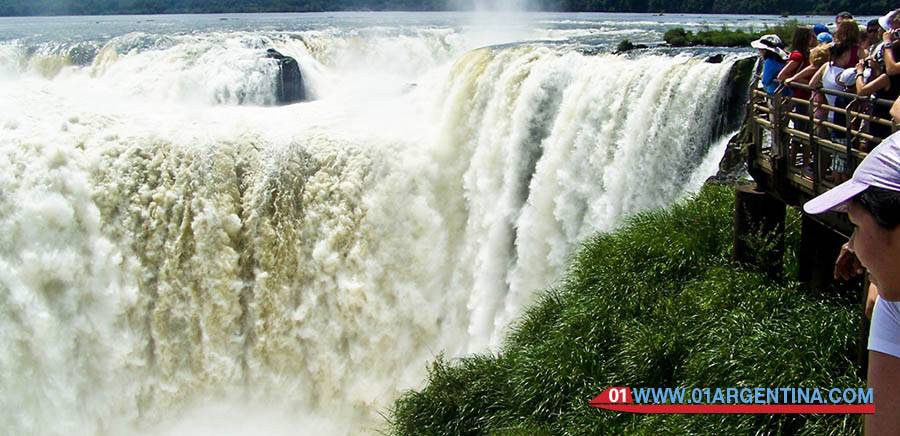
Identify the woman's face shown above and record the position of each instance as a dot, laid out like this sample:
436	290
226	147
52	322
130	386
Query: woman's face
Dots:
813	41
878	249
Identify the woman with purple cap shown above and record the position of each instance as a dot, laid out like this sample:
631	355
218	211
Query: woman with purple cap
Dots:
872	200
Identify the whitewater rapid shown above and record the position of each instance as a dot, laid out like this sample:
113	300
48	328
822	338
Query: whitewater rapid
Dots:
177	257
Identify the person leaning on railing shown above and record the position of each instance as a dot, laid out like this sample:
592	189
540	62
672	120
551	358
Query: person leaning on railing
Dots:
818	56
802	41
771	51
847	32
874	33
883	86
872	199
837	75
891	64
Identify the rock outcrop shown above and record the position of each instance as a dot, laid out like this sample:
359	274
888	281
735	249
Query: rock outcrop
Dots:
289	82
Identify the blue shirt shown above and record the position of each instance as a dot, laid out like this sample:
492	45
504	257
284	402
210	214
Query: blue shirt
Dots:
771	68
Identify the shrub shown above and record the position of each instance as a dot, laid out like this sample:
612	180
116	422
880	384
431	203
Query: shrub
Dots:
624	46
677	37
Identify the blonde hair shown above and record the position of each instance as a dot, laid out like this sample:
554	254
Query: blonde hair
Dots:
820	55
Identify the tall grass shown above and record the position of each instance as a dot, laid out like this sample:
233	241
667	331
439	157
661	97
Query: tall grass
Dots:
656	303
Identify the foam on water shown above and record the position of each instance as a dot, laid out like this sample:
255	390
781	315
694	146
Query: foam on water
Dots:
175	259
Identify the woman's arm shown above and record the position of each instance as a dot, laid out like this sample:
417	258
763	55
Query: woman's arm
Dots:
895	110
880	83
804	75
891	65
816	80
884	379
789	69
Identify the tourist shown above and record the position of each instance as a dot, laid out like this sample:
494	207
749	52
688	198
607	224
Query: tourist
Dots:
842	18
848	33
837	75
818	56
872	199
877	52
872	38
801	42
890	36
884	86
771	51
869	43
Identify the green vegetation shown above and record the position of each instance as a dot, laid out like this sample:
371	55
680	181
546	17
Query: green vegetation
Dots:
678	37
103	7
625	45
656	303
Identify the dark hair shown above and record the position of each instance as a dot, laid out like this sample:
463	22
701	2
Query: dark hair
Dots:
838	49
800	41
883	204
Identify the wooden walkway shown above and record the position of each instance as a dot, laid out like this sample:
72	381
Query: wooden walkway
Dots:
778	132
780	127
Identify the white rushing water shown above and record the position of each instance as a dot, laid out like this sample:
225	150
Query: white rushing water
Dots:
177	258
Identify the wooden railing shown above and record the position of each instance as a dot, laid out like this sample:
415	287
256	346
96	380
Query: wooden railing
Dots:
774	124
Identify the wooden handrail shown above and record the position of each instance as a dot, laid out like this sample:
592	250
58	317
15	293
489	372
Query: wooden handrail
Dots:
773	113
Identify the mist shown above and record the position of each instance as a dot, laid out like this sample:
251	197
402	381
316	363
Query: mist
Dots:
494	5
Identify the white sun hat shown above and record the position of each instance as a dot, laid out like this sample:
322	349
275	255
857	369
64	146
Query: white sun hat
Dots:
885	21
771	43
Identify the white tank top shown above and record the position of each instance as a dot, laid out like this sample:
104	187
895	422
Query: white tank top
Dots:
830	81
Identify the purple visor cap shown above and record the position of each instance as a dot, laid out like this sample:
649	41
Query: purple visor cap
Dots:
881	168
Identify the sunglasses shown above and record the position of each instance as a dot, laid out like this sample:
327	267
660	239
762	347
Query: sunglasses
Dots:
871	30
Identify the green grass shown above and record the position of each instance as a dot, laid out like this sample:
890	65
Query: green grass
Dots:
656	303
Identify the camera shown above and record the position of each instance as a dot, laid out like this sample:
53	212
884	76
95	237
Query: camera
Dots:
896	34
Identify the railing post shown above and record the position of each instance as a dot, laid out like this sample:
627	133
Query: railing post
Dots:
779	150
758	236
814	143
853	106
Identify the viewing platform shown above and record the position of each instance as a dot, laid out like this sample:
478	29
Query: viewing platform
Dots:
775	133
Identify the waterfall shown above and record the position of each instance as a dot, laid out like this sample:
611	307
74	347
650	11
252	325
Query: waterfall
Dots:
173	257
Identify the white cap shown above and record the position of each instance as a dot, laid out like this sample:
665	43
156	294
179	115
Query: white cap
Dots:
885	21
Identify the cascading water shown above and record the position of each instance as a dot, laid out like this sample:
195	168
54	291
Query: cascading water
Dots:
177	259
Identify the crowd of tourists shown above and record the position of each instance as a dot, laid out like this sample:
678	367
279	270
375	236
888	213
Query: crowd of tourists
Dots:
863	61
855	59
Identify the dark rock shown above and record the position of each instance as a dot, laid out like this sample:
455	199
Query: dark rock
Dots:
733	166
716	59
83	54
289	82
626	45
